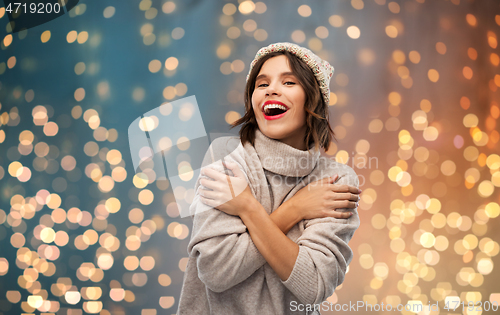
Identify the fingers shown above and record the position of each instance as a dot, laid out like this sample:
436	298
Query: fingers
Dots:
346	196
215	175
345	188
206	171
344	204
329	180
213	198
230	185
209	202
210	184
235	169
209	194
219	189
340	215
338	178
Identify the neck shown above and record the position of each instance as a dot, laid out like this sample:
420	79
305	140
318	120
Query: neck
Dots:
282	158
296	143
296	140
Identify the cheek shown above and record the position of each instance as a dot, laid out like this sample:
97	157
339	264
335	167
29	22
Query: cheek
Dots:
301	115
300	99
255	102
301	95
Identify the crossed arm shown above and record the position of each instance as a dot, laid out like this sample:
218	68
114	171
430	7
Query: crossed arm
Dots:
228	254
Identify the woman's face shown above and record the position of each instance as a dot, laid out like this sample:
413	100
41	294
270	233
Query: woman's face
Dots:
278	103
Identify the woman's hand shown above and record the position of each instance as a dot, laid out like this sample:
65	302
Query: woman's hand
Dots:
321	198
230	194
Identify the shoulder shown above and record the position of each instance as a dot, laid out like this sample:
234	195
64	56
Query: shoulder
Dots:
329	167
220	148
227	144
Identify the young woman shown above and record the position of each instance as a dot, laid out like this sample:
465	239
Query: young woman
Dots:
271	238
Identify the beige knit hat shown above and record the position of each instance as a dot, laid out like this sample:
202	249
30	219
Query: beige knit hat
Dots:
322	70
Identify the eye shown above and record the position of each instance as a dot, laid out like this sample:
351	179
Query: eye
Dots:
290	83
261	85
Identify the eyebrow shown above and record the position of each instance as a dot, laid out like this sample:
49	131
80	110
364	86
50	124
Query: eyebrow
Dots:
283	74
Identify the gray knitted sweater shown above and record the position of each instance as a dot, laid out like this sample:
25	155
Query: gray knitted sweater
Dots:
226	274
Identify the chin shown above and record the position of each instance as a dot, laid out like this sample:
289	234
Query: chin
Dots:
273	133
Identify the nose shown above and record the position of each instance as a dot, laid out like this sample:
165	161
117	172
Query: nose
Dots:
272	89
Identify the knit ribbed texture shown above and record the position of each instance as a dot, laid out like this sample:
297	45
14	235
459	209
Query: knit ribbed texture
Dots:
302	278
226	274
283	159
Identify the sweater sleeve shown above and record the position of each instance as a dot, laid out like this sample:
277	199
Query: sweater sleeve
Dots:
323	254
221	245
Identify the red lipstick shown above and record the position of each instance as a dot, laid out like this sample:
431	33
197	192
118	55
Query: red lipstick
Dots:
273	102
273	117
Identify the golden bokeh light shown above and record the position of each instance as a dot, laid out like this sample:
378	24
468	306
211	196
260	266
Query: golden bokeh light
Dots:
430	199
353	32
304	10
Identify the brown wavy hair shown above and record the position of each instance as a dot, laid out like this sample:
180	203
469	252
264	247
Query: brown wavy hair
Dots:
318	131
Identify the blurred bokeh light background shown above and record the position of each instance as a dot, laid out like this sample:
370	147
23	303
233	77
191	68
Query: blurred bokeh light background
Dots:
414	106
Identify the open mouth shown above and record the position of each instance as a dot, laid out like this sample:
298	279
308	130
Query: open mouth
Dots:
274	110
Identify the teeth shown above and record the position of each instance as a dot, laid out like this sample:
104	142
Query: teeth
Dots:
269	106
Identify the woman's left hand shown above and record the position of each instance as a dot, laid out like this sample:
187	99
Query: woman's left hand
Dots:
230	194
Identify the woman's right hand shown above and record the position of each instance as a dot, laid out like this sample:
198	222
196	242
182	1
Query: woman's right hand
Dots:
321	198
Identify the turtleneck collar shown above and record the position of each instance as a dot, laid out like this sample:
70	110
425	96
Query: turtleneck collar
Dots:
280	158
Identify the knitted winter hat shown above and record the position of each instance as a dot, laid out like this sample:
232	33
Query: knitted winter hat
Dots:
322	70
